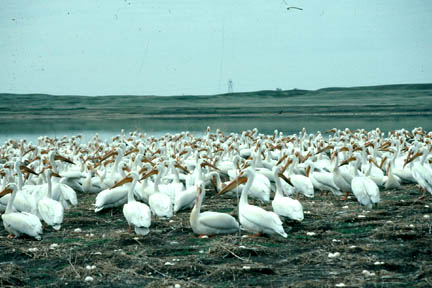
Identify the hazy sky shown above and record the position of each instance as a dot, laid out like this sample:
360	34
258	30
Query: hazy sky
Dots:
179	47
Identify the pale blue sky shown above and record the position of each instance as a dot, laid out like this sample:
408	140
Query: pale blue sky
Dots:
179	47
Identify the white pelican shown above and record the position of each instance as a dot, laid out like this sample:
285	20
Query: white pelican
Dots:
67	195
261	188
300	183
364	189
18	223
323	180
378	178
253	218
112	197
399	169
88	184
137	214
421	171
117	170
5	199
210	223
175	187
25	201
160	203
50	211
185	199
285	206
392	181
341	178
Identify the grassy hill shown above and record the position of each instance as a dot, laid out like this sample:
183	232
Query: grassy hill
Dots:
415	99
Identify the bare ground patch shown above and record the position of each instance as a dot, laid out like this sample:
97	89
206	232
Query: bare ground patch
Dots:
388	246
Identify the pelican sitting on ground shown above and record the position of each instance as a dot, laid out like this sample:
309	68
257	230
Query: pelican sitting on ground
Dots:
392	181
137	214
285	206
322	180
185	199
112	197
50	210
300	183
18	223
25	201
254	218
210	223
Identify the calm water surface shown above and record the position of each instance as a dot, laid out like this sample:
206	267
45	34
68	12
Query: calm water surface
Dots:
32	129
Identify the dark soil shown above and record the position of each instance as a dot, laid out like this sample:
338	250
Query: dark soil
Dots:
388	246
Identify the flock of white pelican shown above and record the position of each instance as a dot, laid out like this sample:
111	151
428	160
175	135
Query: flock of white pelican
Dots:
158	177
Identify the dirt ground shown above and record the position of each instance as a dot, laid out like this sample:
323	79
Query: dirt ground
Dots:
338	242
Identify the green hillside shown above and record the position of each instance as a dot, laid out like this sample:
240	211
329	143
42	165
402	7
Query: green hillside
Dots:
415	99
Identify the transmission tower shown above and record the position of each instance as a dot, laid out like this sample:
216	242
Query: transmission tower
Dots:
230	86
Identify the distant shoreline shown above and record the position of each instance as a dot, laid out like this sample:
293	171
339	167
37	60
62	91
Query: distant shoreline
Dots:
209	116
373	101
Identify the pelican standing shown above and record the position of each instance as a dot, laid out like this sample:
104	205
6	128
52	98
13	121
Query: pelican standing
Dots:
137	214
364	189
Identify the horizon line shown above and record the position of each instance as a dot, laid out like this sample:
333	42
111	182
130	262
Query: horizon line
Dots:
220	94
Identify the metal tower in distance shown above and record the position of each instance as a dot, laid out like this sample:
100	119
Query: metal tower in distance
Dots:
230	86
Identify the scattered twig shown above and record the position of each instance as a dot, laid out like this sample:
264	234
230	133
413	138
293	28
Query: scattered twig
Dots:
232	253
73	267
157	271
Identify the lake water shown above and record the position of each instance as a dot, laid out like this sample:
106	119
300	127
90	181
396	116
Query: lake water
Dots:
32	129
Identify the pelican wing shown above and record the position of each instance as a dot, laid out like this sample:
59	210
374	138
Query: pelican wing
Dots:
372	190
51	211
23	223
287	207
67	193
73	174
303	184
161	205
185	199
359	189
325	179
138	214
218	221
259	217
110	196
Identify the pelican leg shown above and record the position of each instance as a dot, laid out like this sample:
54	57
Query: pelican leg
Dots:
130	229
345	197
11	236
